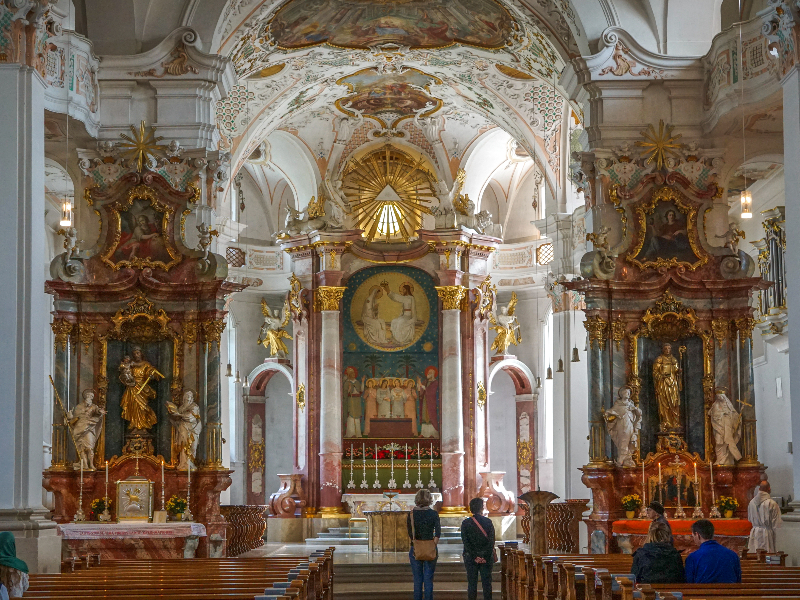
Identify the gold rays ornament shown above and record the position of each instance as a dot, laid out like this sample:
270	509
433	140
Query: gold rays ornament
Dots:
659	145
388	191
142	146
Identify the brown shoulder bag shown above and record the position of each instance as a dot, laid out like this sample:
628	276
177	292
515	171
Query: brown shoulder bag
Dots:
423	549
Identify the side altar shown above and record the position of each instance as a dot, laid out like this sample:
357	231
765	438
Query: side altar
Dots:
669	325
137	321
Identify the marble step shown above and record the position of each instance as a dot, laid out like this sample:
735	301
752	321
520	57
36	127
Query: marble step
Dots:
401	572
344	530
328	535
336	541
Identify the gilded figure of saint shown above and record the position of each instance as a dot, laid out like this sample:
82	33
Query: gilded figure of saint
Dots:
666	373
136	375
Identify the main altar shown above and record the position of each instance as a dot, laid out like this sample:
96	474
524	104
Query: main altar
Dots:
669	326
136	387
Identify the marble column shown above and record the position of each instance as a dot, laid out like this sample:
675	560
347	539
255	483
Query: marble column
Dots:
25	318
749	440
450	393
327	299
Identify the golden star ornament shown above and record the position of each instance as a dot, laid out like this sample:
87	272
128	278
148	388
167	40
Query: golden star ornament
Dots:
142	146
659	145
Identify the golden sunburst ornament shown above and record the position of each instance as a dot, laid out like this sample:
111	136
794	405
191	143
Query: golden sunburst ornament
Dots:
142	146
388	191
659	145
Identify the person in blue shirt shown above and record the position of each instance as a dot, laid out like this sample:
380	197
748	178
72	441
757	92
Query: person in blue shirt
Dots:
711	562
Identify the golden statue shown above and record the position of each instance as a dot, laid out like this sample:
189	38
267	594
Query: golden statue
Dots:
272	333
505	323
666	373
136	375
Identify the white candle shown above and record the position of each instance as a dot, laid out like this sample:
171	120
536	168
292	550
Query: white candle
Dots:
644	486
431	456
711	466
364	458
106	473
695	475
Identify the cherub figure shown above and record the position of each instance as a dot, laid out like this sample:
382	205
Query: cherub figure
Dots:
70	241
505	323
732	237
206	234
272	333
125	374
599	238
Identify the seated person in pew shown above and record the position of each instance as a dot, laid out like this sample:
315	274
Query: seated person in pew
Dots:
13	571
655	512
658	561
711	562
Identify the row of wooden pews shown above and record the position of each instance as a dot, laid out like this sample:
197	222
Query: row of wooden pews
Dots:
609	577
277	578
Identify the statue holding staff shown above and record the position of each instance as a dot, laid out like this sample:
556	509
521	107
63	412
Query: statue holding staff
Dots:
666	373
86	420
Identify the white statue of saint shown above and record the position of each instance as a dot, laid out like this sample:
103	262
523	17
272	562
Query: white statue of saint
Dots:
86	420
726	423
403	326
374	327
186	426
623	421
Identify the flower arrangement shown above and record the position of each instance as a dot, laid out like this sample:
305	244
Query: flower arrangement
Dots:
631	502
176	505
726	503
97	506
386	452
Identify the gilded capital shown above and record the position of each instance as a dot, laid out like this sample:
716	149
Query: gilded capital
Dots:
212	331
745	326
598	331
327	297
62	329
721	330
451	296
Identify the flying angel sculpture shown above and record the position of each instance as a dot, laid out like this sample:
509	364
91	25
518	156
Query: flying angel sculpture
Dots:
272	331
505	323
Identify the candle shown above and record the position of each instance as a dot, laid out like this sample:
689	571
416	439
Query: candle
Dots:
660	485
431	456
363	457
644	486
106	473
711	466
695	475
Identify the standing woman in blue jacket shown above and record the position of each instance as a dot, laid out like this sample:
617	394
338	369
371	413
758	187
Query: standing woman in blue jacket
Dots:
423	525
477	533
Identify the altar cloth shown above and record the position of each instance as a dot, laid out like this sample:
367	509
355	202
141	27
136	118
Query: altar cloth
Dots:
116	531
728	527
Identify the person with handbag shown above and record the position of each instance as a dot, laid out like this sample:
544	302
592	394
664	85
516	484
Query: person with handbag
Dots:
424	530
480	553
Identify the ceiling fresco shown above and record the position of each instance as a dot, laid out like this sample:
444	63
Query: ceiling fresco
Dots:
416	24
377	95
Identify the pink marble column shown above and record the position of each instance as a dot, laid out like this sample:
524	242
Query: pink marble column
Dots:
330	420
450	391
527	419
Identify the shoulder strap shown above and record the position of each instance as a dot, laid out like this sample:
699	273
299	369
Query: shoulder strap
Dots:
483	531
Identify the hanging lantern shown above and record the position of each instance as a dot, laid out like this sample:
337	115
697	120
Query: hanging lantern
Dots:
747	204
236	379
549	373
246	382
229	371
575	357
538	382
560	368
586	344
66	214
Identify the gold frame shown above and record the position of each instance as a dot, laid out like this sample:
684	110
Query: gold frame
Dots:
141	192
660	322
645	208
131	481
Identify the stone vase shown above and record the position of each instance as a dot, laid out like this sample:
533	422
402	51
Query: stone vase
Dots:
498	500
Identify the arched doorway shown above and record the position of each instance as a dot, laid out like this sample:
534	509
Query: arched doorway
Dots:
521	473
269	415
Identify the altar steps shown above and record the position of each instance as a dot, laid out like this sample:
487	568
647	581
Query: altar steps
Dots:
395	582
343	536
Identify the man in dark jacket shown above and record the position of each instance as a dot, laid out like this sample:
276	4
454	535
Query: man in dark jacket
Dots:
655	512
658	561
477	533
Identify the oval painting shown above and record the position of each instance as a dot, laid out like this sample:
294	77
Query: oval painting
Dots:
390	311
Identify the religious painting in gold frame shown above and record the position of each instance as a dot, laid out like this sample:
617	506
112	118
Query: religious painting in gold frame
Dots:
667	233
140	232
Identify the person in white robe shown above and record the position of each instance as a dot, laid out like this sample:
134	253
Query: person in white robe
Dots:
384	400
404	326
374	327
726	422
765	516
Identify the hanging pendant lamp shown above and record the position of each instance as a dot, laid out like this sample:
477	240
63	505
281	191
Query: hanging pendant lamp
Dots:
549	373
229	371
575	356
538	382
236	379
246	382
560	368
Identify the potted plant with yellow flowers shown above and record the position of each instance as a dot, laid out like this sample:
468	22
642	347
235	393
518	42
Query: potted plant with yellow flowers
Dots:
726	505
631	504
176	506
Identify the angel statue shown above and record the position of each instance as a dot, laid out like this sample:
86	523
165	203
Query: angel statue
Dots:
505	323
272	333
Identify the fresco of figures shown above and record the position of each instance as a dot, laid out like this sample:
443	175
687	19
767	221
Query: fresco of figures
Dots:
390	380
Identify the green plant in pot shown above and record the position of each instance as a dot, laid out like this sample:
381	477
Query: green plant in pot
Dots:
631	504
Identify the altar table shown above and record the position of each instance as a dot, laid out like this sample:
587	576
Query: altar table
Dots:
631	533
131	540
358	503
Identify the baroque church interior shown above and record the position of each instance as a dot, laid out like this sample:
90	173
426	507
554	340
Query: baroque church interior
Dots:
274	266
